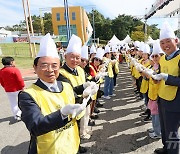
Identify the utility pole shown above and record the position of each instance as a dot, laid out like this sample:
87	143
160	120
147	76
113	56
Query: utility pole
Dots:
27	27
68	27
93	27
145	28
31	26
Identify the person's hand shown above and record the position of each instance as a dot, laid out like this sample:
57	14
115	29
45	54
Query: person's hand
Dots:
72	109
161	76
149	72
101	75
91	90
86	84
87	92
94	89
98	75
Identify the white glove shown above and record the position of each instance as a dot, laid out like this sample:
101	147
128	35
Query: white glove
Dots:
72	109
149	72
87	92
98	75
94	89
101	75
86	84
161	76
91	90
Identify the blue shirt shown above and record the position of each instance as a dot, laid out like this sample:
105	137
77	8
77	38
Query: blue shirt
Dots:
171	55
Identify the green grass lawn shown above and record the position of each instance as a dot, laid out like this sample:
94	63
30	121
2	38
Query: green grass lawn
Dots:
20	52
17	49
22	62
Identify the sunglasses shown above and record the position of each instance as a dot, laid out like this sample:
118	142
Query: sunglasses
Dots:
96	59
155	56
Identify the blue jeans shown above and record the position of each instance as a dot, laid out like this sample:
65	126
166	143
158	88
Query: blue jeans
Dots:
146	98
156	124
108	86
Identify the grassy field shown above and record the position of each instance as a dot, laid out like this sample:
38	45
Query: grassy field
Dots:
20	52
16	49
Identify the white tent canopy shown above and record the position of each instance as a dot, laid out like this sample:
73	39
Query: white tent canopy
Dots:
5	33
115	41
127	39
150	40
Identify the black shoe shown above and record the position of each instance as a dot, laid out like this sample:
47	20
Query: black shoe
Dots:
160	151
82	149
94	116
147	119
99	105
96	110
91	123
143	114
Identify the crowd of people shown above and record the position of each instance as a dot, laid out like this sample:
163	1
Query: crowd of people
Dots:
156	79
60	108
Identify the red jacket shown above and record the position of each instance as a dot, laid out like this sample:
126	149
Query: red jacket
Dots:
11	79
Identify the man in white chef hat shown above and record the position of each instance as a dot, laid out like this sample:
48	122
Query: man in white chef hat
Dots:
48	106
169	91
72	73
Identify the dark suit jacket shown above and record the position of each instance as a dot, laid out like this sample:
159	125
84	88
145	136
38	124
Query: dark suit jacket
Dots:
174	105
78	90
36	123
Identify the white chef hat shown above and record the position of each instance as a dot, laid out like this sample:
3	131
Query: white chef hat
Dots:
114	48
84	52
93	49
146	49
156	48
74	45
166	31
107	49
141	46
47	47
100	53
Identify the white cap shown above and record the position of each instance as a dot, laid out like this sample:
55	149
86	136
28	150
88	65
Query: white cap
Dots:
146	49
156	48
100	53
84	52
74	45
137	44
107	49
93	49
141	46
114	48
166	32
47	47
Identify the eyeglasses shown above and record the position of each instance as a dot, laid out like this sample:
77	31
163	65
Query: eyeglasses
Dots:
97	59
83	60
155	56
44	67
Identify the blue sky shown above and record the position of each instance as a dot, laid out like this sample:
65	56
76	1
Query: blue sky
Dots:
12	10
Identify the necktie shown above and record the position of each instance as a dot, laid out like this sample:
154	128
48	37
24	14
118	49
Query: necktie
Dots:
74	72
53	89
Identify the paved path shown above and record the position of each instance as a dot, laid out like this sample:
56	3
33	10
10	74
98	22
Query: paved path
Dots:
119	129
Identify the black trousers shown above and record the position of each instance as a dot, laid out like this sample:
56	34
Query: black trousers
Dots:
170	123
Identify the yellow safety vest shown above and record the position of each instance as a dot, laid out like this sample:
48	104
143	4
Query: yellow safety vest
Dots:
145	83
170	67
116	67
153	90
75	80
64	140
109	68
136	72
